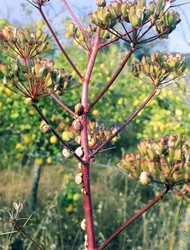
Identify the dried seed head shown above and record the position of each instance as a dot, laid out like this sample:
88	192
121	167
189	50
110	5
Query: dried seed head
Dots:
83	224
145	178
18	206
77	126
79	151
78	178
66	153
44	127
79	109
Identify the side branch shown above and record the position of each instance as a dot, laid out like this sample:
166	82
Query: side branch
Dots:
57	135
76	20
63	105
20	229
126	123
132	219
59	44
118	71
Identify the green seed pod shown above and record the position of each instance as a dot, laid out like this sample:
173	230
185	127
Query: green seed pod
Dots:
136	69
7	33
27	35
159	5
107	20
142	147
79	109
134	20
177	154
140	15
39	33
4	69
151	153
37	67
101	3
170	18
125	9
164	165
21	36
152	167
44	46
71	29
182	69
117	7
112	12
152	6
94	19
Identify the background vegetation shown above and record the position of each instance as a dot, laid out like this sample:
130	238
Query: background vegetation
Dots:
26	155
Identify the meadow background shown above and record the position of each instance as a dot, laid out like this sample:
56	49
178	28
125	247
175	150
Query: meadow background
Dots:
33	170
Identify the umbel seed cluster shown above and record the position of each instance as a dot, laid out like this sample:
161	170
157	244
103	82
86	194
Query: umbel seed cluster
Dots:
159	69
166	161
136	13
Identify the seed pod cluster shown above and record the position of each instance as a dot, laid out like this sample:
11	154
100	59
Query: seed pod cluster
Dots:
166	160
29	43
37	80
72	31
137	13
165	19
160	69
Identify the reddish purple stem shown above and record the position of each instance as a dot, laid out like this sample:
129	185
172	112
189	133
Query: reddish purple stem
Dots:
132	219
126	123
59	44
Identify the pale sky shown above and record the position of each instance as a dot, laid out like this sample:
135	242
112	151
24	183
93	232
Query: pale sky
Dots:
12	10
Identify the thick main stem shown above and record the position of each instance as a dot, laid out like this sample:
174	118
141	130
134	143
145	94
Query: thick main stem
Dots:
132	219
88	210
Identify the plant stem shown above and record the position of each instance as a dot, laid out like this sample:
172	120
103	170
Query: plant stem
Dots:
76	20
126	123
63	105
59	44
57	135
118	71
22	231
132	219
88	209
